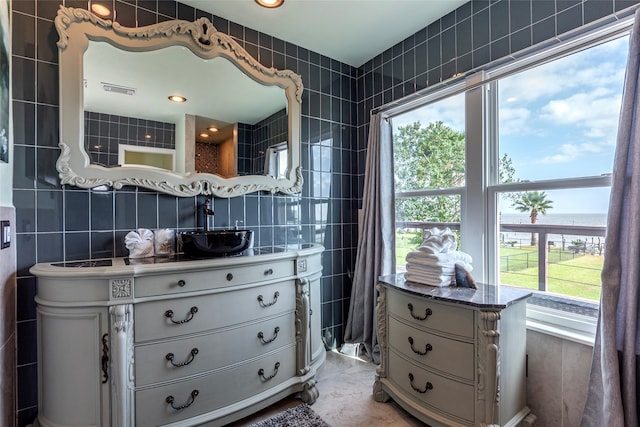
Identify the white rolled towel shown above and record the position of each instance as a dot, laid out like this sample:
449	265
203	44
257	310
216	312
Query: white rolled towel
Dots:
437	240
139	243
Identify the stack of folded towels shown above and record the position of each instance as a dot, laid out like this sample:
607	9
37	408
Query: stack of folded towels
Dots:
434	262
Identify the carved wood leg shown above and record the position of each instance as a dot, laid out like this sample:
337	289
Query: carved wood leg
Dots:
121	355
302	327
379	395
529	420
310	392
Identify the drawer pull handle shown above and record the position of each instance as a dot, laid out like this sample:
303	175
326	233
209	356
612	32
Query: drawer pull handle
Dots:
268	272
268	304
427	313
275	335
171	399
192	356
192	311
229	277
428	386
261	372
427	348
105	358
181	283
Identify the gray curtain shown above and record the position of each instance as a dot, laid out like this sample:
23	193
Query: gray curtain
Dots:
376	241
612	398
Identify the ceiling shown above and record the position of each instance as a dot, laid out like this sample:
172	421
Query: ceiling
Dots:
350	31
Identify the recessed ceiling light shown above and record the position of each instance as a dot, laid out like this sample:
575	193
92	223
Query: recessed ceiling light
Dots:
177	98
204	135
270	3
147	136
212	129
100	10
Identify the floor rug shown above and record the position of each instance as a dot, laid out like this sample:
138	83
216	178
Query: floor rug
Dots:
299	416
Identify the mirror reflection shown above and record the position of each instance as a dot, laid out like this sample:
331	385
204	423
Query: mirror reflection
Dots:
224	126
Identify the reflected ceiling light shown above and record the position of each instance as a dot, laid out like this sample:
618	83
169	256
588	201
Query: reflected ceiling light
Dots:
177	98
270	3
212	129
147	136
100	10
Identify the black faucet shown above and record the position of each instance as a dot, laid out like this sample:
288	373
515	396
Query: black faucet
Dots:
207	213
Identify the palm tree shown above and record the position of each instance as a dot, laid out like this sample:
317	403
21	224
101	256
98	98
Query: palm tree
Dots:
534	202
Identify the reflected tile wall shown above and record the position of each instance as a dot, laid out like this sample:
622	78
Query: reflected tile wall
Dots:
56	223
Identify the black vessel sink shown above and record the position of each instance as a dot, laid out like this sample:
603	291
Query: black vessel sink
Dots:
215	243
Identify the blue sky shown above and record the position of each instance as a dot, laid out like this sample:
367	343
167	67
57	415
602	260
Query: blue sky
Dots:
557	120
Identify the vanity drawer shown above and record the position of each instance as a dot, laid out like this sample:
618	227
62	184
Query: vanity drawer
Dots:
433	390
170	318
207	352
174	283
214	391
431	314
443	354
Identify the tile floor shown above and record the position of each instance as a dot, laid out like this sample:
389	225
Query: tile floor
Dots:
345	384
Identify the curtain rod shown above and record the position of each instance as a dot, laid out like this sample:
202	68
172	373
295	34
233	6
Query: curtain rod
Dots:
505	67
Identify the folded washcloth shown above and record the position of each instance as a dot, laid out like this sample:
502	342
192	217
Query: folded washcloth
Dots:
139	243
421	256
437	270
438	281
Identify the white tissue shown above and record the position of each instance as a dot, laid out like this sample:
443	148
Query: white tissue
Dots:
139	243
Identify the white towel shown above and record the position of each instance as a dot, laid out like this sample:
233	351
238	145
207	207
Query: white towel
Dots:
422	257
139	243
436	240
437	281
438	270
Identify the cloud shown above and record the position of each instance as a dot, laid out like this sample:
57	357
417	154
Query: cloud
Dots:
570	152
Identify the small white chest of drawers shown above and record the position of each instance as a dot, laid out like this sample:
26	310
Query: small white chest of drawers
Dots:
453	356
175	341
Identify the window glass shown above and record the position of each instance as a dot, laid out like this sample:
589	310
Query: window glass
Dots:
414	214
573	243
560	119
428	146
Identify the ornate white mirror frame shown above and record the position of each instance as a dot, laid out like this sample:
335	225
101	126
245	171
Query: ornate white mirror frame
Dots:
77	27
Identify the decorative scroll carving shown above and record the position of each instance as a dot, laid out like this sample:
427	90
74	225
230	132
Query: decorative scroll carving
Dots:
302	326
202	32
379	395
122	377
121	288
203	186
381	329
489	368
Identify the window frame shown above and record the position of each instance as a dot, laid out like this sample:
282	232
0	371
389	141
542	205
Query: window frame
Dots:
479	196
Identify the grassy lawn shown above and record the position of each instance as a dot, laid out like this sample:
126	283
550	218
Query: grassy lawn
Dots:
567	274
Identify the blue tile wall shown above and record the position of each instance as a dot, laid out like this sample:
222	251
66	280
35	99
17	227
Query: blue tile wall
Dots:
57	222
105	132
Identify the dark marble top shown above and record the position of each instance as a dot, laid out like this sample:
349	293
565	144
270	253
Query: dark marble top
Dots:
178	257
485	297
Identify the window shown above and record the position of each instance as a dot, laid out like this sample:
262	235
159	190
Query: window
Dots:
429	169
518	160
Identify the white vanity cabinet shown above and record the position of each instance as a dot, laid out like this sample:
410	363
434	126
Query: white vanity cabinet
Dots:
174	341
453	356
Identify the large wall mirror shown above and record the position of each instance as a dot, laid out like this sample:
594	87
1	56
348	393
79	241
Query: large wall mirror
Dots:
237	132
